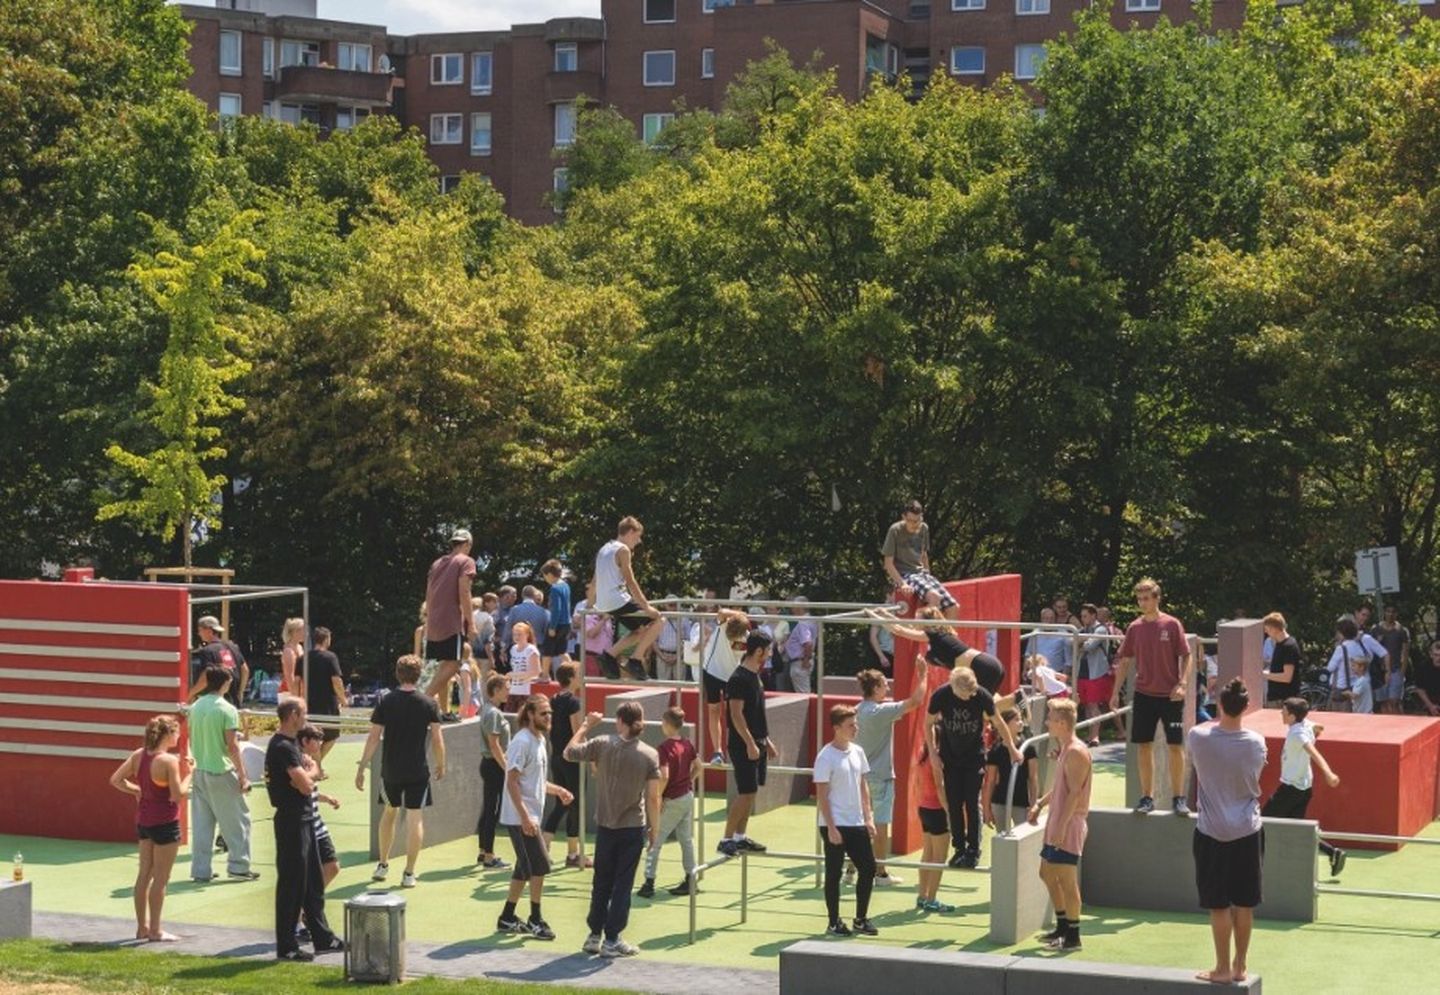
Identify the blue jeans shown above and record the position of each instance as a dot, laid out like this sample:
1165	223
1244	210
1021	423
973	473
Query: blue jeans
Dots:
617	855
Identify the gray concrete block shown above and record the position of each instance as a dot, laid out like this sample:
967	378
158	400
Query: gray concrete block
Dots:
858	968
840	686
652	701
1046	976
1239	654
787	717
1019	903
16	910
456	798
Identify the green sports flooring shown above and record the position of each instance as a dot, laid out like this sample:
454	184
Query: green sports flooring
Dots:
1356	943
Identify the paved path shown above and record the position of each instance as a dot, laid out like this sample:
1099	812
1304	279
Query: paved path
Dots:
464	959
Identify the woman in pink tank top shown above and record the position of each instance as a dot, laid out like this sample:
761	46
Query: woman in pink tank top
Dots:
159	780
1069	802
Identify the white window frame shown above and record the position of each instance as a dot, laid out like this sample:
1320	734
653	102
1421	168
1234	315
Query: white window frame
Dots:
267	57
1036	72
574	52
270	110
238	68
437	69
302	49
956	71
476	131
478	88
220	105
563	141
1030	8
645	66
660	120
964	5
444	120
645	13
354	47
1142	6
707	63
357	114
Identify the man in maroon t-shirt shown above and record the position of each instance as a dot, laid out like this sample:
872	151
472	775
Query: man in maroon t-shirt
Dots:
679	766
448	621
1155	644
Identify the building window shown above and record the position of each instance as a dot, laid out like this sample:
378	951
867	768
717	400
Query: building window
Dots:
967	4
480	134
270	110
567	57
919	9
449	182
229	105
353	57
659	11
660	68
1032	7
653	125
299	113
447	129
559	184
707	63
348	117
967	61
230	53
299	53
482	72
1141	6
1028	60
267	57
708	6
564	125
447	69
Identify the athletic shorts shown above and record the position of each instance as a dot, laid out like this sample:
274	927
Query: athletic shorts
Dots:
329	734
882	800
989	672
1152	710
531	860
714	688
162	835
749	774
405	794
925	584
557	644
629	618
1054	855
1228	874
449	648
325	846
934	822
1097	690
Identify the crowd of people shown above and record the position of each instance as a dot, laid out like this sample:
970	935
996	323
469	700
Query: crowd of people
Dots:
496	646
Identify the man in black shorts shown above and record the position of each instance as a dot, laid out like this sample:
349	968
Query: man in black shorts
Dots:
1229	842
615	591
750	745
449	623
718	662
324	688
405	718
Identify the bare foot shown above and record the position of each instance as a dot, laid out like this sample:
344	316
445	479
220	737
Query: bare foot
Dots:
141	933
1237	973
1216	977
163	937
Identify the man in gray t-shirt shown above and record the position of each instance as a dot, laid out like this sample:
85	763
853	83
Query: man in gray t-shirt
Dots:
906	556
1228	844
875	721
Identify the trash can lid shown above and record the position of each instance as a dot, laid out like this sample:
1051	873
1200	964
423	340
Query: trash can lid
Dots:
376	900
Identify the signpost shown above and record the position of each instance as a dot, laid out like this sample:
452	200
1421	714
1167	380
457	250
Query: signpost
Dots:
1377	572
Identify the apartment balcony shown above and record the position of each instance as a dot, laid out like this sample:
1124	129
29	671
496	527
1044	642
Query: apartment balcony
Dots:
318	84
563	88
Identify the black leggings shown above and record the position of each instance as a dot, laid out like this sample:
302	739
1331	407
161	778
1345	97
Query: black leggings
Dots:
962	798
854	843
492	777
567	775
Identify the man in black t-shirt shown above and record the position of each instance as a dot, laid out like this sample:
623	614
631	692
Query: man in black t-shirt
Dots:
1427	680
299	878
954	731
1282	678
324	687
217	651
749	740
405	718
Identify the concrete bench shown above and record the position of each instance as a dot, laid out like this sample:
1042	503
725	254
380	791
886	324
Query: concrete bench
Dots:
854	966
15	910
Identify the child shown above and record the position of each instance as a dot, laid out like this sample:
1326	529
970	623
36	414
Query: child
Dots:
311	739
1361	695
995	790
679	767
1044	679
1292	797
936	828
524	663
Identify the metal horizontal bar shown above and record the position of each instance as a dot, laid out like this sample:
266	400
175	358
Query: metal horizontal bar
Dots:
278	592
769	768
820	858
1379	838
1325	889
742	603
89	628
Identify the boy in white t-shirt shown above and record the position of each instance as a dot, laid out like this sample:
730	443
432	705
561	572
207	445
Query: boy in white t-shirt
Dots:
1292	797
847	824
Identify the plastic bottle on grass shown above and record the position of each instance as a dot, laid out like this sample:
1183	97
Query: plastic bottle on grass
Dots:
18	874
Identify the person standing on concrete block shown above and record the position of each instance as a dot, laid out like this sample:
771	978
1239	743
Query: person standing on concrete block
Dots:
875	719
448	619
615	591
627	813
750	744
847	822
1066	827
1156	646
1229	841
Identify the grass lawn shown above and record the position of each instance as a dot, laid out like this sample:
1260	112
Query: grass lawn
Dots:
42	964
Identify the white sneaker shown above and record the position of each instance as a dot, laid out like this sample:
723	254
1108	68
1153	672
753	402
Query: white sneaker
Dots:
407	880
618	949
849	879
382	871
592	944
888	880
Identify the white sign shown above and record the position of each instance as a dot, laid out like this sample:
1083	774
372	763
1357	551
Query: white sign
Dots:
1377	571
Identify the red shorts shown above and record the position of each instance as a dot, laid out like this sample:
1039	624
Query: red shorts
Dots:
1097	691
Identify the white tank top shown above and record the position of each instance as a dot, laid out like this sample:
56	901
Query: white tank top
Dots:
610	589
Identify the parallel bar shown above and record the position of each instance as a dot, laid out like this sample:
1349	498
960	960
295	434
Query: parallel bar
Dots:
1325	889
95	728
86	677
911	864
1035	741
93	752
92	628
257	595
110	652
1377	838
113	704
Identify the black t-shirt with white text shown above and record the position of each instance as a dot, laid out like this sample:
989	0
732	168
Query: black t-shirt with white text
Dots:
1287	651
281	756
744	686
407	717
962	723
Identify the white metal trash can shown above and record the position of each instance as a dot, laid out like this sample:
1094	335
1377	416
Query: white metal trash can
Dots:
375	937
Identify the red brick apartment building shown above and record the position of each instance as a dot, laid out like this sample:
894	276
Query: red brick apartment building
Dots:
501	102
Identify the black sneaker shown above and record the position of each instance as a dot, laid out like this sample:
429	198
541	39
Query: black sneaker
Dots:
540	929
1056	933
335	946
449	717
837	928
864	927
968	861
205	880
647	890
729	848
244	876
220	846
302	934
1337	862
1179	806
1144	806
298	956
514	924
1070	941
682	890
957	859
752	845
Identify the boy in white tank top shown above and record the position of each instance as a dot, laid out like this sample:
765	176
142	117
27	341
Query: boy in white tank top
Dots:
615	591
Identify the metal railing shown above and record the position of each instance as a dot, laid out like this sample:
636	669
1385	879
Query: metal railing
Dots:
1035	740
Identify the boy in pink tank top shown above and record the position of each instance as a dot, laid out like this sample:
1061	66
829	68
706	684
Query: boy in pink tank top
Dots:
1065	829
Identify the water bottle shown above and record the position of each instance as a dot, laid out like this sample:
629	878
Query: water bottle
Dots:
18	874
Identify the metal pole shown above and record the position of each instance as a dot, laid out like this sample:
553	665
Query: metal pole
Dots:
1325	889
309	644
744	885
702	731
819	701
584	708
